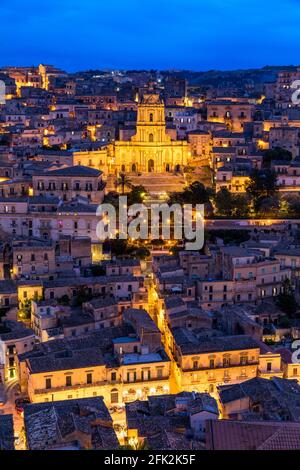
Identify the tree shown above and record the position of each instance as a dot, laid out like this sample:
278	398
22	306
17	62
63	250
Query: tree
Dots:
195	193
241	204
83	296
277	153
124	182
25	312
112	198
141	253
64	300
136	196
231	205
269	206
98	270
286	300
119	247
291	205
262	185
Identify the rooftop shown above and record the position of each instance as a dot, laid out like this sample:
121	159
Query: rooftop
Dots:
189	343
240	435
76	171
63	423
7	439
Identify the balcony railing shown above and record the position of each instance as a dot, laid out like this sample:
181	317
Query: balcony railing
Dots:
98	384
221	366
71	387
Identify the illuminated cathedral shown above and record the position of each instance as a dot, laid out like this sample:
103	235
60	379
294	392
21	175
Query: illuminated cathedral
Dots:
151	149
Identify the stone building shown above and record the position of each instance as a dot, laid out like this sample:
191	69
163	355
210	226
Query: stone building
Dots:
151	149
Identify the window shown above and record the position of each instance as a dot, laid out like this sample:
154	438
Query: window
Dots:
195	365
146	374
243	360
114	396
151	138
295	371
68	381
131	376
159	373
113	376
226	361
48	384
151	117
269	366
89	378
211	363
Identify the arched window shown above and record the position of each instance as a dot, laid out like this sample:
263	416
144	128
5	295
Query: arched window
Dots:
123	168
151	138
114	396
151	117
133	168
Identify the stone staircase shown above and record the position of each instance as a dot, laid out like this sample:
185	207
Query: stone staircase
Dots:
155	183
159	183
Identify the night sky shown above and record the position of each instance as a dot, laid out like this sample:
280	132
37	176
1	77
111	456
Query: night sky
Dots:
160	34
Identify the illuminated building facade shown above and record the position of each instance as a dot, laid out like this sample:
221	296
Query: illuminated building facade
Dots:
151	149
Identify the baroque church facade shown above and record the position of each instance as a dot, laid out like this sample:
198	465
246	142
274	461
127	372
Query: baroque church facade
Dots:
151	149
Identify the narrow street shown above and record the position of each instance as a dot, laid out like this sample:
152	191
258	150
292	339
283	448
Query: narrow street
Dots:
153	299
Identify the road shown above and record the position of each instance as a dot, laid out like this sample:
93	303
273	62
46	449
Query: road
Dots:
154	312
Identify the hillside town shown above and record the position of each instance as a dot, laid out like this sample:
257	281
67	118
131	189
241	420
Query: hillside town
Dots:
142	344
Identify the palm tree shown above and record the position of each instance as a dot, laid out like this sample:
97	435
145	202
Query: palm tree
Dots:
124	182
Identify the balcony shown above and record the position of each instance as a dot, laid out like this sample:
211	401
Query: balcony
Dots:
72	387
277	372
221	366
145	381
103	383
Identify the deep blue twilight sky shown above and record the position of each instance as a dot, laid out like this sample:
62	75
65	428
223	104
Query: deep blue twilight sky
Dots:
162	34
